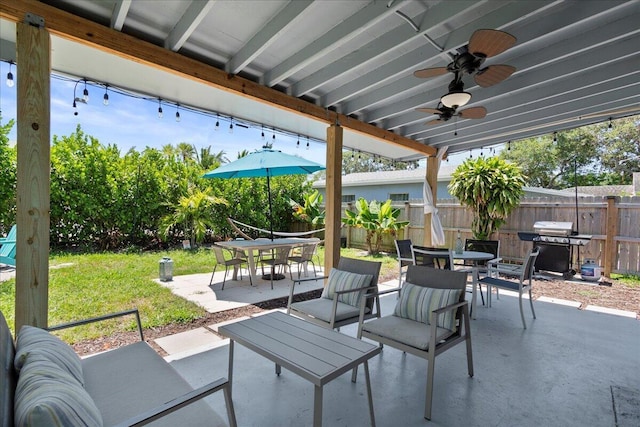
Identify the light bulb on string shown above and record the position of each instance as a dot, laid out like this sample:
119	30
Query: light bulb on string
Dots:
10	81
177	112
610	124
482	151
298	142
231	126
470	155
160	114
307	143
555	136
85	92
217	122
105	98
509	146
262	134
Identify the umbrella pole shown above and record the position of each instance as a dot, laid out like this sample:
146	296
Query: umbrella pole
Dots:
270	208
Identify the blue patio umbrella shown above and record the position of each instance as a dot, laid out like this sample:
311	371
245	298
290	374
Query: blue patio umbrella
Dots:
265	163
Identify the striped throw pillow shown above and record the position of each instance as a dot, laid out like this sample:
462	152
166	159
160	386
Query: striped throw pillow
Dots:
48	396
417	303
37	343
340	280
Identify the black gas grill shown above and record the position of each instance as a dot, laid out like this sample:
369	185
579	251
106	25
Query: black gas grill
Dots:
556	241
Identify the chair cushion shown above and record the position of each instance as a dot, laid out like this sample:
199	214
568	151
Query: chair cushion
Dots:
7	373
340	280
417	303
405	331
132	379
47	395
37	343
320	308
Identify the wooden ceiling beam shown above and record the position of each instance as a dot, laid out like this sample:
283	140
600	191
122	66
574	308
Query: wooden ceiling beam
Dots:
75	28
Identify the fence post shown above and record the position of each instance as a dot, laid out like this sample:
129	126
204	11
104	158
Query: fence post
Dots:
610	249
350	207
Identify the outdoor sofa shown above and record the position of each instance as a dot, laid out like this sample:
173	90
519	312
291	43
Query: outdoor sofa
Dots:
44	383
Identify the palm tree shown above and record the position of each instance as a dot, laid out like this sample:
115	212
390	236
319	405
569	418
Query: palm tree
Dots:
492	188
186	151
193	213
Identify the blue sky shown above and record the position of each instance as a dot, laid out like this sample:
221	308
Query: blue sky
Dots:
130	122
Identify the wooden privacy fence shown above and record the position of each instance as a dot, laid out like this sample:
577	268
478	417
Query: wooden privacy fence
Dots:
613	222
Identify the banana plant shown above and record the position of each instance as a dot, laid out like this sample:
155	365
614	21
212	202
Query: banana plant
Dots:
377	219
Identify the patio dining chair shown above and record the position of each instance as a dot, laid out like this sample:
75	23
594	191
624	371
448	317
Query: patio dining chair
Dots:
405	257
524	273
347	285
232	260
441	258
303	256
276	259
430	317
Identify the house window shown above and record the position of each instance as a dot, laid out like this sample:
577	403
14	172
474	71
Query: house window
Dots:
399	197
348	198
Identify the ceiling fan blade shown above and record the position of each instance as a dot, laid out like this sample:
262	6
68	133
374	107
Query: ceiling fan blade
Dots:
488	43
473	113
429	110
430	72
493	74
434	122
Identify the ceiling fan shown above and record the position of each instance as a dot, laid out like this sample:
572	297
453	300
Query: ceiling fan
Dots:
446	113
483	44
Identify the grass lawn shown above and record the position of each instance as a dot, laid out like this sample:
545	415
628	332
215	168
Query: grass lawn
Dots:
86	285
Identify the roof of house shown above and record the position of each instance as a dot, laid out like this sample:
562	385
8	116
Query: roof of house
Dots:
413	176
607	190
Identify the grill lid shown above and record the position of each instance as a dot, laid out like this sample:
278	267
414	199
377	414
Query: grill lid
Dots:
553	228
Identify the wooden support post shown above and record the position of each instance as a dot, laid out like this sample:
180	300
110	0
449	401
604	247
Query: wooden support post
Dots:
33	48
610	247
333	202
432	180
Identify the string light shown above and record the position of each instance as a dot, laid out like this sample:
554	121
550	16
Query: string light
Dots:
108	89
85	92
273	137
509	146
555	136
470	154
610	124
10	81
298	142
262	134
231	126
481	151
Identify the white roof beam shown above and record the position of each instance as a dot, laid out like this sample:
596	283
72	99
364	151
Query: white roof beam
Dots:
538	69
340	34
120	10
406	64
268	35
187	24
501	116
436	16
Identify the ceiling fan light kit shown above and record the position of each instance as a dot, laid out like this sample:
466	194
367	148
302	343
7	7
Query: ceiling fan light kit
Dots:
468	60
455	99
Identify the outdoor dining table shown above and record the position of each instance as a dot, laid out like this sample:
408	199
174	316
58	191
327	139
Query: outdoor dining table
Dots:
316	354
474	256
249	246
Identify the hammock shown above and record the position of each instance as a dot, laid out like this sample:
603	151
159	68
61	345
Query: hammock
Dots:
233	223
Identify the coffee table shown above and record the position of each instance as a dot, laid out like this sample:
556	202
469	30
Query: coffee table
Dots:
317	354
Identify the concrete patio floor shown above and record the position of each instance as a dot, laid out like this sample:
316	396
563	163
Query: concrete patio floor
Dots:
560	371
